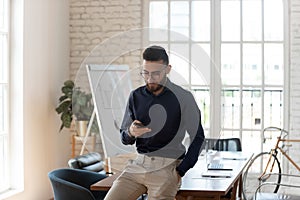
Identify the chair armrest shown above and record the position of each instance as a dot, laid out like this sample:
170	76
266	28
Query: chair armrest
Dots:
291	185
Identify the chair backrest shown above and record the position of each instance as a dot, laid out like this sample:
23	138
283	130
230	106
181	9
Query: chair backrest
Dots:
228	144
225	144
73	184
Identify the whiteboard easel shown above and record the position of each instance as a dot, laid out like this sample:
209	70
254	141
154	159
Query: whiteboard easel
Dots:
110	86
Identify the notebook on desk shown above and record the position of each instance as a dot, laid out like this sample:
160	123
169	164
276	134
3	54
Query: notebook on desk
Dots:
218	166
216	174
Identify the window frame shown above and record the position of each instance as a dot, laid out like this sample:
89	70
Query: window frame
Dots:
15	98
6	101
215	53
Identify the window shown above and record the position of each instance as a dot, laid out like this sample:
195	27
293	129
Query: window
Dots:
4	95
245	92
252	90
193	36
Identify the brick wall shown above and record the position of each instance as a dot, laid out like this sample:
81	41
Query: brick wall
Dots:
294	77
95	24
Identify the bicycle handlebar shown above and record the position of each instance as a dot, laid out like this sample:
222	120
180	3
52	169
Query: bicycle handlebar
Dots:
283	132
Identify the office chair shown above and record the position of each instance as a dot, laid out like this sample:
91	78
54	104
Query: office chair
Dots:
74	184
228	144
225	144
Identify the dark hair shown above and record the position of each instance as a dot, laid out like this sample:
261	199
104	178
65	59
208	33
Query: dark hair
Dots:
156	53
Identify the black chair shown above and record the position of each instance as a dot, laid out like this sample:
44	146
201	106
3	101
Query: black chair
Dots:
228	144
224	144
74	184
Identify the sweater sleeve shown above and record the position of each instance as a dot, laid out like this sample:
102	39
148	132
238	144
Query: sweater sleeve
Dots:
192	120
127	120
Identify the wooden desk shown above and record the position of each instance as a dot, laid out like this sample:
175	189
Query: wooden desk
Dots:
194	186
105	184
118	163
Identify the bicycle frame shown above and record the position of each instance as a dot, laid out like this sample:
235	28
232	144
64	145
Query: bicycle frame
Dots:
285	154
274	152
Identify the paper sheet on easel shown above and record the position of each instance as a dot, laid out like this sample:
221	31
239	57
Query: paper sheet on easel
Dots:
110	92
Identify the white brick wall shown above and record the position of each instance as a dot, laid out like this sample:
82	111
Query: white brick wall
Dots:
93	22
294	78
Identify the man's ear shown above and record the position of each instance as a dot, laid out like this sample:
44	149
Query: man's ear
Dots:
168	69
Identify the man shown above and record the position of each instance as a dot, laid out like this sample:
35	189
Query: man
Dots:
156	119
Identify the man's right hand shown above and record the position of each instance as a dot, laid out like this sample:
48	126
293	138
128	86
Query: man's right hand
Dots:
137	129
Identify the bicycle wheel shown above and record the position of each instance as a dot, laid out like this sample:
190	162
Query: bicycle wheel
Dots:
255	169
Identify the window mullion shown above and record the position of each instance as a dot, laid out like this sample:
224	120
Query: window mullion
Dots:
286	105
241	70
190	44
215	84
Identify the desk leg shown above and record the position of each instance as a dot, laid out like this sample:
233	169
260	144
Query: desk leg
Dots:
240	187
73	146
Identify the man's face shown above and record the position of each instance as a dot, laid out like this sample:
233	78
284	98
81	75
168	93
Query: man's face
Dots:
154	74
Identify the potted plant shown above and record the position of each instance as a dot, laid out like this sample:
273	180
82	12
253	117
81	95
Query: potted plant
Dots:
75	104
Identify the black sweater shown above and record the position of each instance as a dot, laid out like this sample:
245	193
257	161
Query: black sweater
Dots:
170	115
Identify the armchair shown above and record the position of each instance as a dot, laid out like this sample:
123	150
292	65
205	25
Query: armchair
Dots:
74	184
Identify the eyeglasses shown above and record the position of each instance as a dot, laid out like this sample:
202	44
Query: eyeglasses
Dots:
154	75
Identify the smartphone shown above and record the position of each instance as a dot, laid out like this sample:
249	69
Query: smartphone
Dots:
138	125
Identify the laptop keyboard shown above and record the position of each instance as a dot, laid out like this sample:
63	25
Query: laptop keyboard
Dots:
215	166
218	166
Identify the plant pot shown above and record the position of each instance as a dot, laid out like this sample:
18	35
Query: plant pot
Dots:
81	128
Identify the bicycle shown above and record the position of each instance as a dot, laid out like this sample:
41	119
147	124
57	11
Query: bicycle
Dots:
261	167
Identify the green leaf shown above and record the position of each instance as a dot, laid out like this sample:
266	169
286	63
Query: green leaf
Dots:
62	98
67	90
64	106
82	100
61	127
66	119
69	83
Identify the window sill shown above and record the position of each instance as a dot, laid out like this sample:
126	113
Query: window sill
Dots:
10	193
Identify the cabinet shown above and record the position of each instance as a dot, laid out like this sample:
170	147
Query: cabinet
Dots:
77	143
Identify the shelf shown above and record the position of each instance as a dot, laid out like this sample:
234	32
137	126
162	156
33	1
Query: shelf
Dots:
77	142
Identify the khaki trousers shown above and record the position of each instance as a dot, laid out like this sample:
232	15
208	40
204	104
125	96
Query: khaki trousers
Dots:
156	176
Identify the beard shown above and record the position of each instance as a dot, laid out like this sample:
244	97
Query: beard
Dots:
154	87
